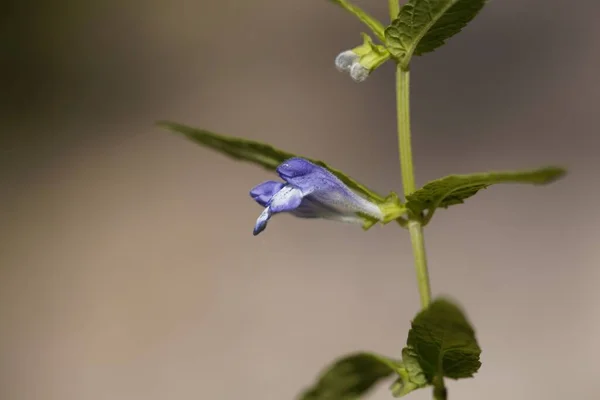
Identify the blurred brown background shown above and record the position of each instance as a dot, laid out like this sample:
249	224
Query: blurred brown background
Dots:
128	269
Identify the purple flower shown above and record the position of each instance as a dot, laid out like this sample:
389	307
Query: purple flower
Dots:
311	191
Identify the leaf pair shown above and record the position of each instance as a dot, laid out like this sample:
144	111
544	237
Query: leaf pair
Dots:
444	192
441	343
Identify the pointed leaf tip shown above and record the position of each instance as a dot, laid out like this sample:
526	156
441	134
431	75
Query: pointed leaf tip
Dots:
350	377
259	153
455	189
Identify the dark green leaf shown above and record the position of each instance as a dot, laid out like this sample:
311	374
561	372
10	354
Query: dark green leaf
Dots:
374	24
350	377
454	189
259	153
424	25
444	342
411	377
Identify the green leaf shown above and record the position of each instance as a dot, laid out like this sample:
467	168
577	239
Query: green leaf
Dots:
424	25
444	342
350	377
454	189
371	22
411	374
261	154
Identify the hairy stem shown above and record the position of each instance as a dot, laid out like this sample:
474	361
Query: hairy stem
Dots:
418	245
415	223
404	141
408	178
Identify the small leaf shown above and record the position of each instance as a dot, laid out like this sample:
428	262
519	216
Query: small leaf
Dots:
454	189
424	25
411	374
444	342
371	22
259	153
350	377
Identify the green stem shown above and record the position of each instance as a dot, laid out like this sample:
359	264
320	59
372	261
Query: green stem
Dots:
394	8
415	223
439	389
404	141
418	245
408	178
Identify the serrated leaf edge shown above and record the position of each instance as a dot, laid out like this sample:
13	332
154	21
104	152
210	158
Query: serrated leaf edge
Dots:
429	216
405	61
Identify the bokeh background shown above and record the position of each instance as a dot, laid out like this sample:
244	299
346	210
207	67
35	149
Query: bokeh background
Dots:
127	265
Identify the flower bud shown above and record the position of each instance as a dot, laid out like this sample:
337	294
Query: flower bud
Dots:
345	60
362	60
358	73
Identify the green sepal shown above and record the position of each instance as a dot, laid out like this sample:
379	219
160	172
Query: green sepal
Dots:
392	209
371	55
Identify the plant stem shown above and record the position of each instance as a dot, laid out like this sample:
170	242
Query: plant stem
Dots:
394	8
418	245
415	223
439	389
404	142
408	179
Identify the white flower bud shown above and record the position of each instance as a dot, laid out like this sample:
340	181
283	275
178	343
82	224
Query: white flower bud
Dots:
345	60
359	73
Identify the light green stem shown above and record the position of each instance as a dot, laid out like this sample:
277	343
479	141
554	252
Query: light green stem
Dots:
415	224
404	141
408	179
418	245
394	8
